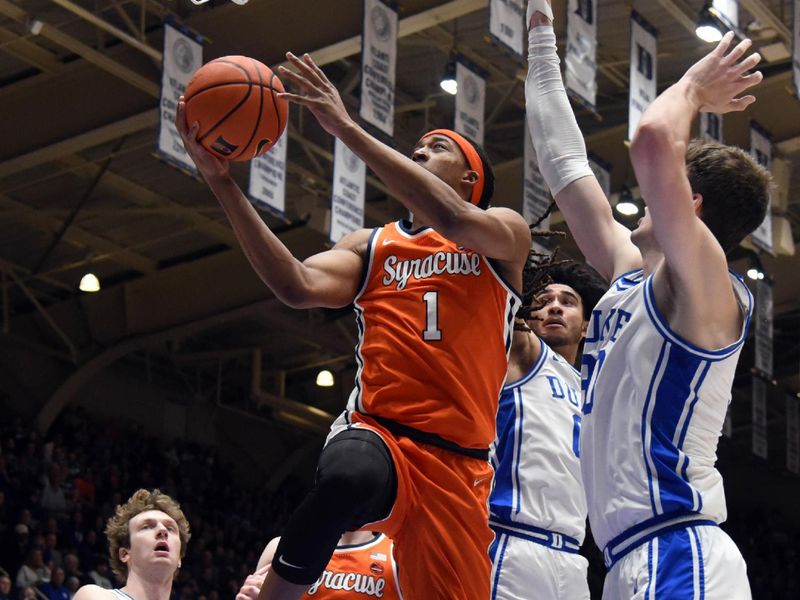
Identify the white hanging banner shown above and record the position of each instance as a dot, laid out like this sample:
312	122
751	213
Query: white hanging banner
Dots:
349	185
728	12
761	150
759	417
711	127
763	359
602	171
267	188
581	72
378	60
643	70
793	434
507	25
183	55
470	102
535	193
796	49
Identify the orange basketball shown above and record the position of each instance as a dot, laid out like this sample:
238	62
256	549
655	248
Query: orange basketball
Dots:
234	98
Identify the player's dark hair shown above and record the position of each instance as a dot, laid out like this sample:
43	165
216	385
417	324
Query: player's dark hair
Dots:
735	190
582	278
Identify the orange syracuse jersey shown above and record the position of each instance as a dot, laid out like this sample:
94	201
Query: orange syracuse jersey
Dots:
435	322
363	570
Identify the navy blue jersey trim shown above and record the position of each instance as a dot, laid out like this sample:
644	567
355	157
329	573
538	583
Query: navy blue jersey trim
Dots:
374	539
533	370
404	225
367	262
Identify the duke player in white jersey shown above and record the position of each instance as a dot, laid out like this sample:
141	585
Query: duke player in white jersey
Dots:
147	539
538	508
663	343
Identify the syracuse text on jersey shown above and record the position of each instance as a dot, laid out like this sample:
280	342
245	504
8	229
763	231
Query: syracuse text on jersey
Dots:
369	585
453	263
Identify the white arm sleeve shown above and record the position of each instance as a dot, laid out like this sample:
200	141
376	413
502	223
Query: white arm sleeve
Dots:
538	5
559	145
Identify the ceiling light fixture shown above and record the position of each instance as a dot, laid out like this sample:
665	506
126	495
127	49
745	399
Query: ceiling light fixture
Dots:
325	378
627	204
89	283
448	82
708	27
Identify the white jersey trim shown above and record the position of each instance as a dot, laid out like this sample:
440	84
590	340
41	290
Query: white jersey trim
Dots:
360	322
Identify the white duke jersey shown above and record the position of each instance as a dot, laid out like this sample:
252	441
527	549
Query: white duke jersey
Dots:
654	407
535	456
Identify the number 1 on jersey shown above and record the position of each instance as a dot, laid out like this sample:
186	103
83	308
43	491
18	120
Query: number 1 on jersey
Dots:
432	332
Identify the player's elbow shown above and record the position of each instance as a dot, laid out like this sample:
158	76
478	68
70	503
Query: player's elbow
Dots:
295	295
653	142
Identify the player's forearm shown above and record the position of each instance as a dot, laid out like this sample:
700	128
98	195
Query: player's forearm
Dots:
420	191
269	257
666	122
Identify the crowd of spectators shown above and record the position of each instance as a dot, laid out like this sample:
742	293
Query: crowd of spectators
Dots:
57	492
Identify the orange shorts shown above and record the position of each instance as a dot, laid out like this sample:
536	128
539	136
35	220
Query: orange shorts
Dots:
439	521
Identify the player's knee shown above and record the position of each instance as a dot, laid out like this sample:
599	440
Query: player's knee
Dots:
356	467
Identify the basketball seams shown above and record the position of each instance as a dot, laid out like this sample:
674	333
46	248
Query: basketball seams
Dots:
260	110
225	83
275	105
235	108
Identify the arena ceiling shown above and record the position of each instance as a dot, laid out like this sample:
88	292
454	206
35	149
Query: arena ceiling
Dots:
81	188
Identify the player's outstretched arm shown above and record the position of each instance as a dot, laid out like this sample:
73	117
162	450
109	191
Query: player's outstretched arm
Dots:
695	279
328	279
498	233
561	153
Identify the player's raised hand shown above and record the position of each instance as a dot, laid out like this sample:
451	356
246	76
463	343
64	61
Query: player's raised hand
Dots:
314	91
208	164
252	585
717	79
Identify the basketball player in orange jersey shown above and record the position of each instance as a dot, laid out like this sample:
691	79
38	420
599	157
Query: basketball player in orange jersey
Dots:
362	566
434	303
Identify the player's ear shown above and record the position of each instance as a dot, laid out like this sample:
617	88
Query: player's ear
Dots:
584	329
124	555
471	177
697	203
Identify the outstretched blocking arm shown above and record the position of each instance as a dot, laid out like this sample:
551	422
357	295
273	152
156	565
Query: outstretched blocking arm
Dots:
561	152
327	279
497	233
694	280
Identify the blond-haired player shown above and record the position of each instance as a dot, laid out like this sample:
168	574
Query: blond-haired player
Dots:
147	539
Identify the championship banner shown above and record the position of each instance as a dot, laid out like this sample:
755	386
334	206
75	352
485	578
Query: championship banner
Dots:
761	150
535	193
763	359
507	25
183	55
793	434
378	60
602	171
643	70
349	185
796	49
728	12
581	56
267	188
470	102
711	127
759	417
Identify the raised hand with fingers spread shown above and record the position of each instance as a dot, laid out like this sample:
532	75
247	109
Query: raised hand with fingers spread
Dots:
716	80
317	93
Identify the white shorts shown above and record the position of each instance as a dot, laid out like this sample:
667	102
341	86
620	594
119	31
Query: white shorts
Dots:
522	570
694	563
